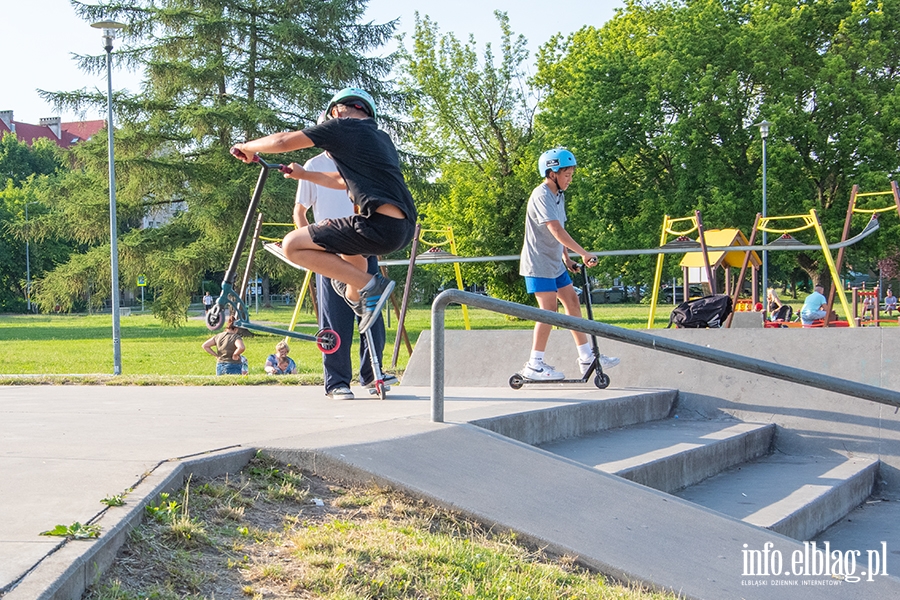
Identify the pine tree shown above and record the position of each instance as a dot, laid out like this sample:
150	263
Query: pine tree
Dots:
215	73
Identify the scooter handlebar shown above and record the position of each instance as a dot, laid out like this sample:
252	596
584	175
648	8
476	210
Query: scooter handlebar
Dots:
257	159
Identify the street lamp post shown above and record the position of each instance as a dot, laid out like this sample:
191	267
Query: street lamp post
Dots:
764	133
109	29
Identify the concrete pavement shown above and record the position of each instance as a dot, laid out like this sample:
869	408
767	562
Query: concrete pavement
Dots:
64	448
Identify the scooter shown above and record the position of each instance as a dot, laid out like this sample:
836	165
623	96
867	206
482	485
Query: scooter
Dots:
601	379
327	340
377	386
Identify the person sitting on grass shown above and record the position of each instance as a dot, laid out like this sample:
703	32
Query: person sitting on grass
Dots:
280	363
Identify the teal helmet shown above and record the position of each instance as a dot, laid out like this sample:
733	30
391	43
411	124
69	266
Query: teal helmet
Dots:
554	160
354	96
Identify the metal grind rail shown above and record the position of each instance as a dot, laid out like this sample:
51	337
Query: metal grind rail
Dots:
869	229
637	338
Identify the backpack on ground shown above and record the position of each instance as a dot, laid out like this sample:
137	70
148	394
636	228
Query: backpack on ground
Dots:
708	311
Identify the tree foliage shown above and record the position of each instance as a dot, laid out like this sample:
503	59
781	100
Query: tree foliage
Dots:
659	106
23	170
216	73
474	120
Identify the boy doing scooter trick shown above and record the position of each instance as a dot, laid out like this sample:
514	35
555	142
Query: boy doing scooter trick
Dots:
369	169
545	260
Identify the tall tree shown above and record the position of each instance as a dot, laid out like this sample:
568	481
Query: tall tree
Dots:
660	105
475	122
216	72
23	170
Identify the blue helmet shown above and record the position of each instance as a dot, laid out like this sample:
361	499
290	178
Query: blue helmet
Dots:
554	160
353	96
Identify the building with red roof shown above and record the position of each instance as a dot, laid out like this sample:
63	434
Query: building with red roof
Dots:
64	135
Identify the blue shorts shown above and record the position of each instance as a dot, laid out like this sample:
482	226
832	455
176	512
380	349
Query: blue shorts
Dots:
547	284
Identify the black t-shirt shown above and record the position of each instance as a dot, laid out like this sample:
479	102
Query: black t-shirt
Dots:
367	160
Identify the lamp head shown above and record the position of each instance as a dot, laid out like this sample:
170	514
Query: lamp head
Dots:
109	32
763	128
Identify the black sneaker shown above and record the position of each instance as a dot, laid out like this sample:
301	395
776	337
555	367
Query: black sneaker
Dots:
341	289
373	299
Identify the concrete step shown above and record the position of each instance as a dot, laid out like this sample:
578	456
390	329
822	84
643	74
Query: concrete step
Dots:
573	420
874	521
671	454
796	496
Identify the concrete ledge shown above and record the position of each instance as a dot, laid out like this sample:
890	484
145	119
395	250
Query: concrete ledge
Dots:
574	420
678	471
748	320
66	573
813	518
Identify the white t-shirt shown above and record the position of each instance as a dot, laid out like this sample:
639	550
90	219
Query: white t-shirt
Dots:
542	253
327	203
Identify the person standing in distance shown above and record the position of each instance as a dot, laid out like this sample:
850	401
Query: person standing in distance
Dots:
545	260
368	167
334	312
229	349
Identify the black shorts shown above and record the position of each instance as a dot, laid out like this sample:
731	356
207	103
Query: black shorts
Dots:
362	236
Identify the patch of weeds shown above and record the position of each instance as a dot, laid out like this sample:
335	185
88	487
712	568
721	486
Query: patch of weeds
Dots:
359	543
164	511
267	469
185	530
226	512
286	491
117	500
75	531
353	500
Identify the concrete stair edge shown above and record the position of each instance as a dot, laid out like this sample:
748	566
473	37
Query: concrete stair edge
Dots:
816	516
689	467
567	421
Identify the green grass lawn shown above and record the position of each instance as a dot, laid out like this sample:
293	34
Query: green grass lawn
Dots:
65	345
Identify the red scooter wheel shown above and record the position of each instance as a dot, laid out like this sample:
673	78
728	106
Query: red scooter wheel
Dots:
328	341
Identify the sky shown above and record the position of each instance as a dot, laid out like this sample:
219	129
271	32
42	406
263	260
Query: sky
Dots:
40	36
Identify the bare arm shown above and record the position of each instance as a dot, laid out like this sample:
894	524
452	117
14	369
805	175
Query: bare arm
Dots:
300	220
273	144
563	237
208	344
331	180
238	349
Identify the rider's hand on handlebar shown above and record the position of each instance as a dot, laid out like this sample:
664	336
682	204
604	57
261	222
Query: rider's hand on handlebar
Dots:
293	171
238	152
589	260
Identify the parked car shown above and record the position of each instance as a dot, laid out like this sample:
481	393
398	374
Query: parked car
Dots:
665	293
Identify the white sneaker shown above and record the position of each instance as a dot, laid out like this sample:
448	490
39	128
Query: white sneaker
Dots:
541	372
608	362
584	366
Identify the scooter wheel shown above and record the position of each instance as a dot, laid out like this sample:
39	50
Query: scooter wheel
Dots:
214	317
516	381
601	380
328	341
